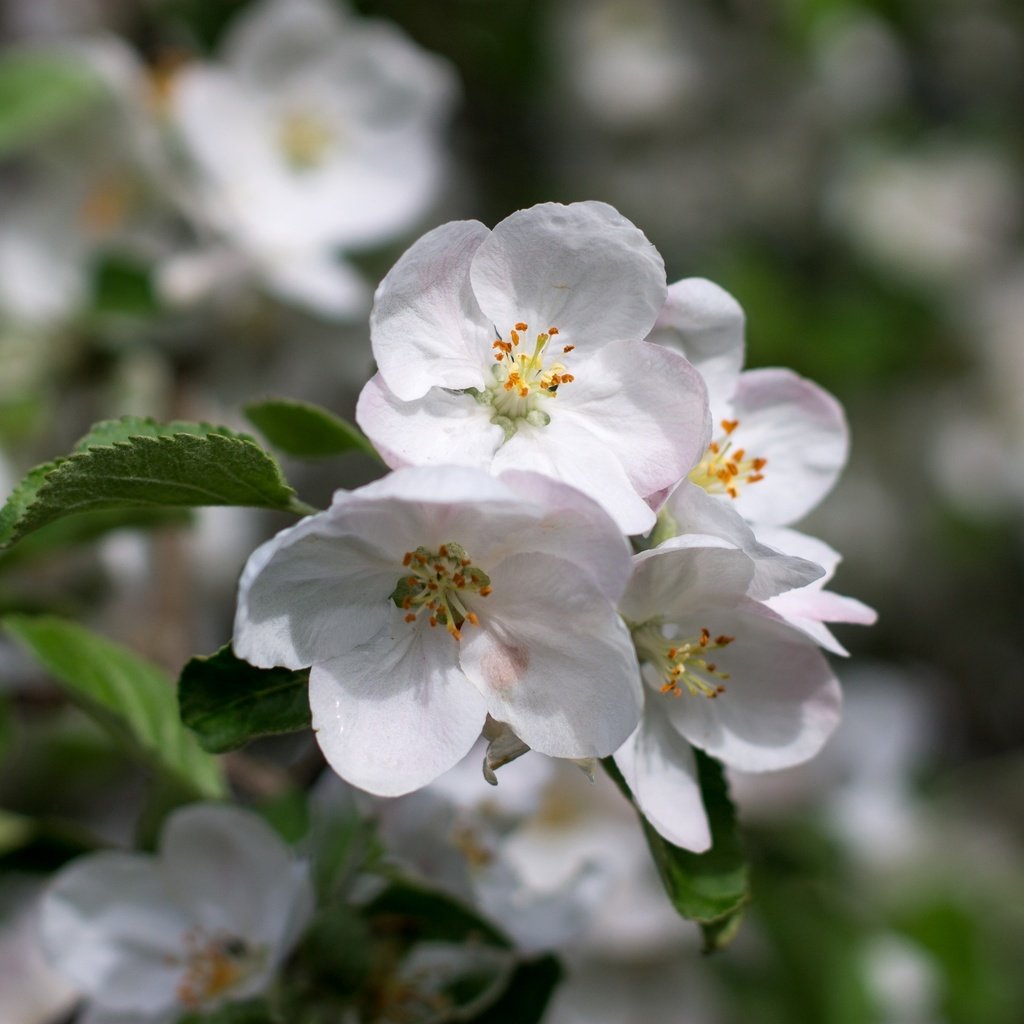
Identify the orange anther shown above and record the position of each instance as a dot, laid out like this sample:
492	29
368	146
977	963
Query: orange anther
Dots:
521	326
567	348
759	464
485	591
408	558
730	425
553	331
472	617
410	617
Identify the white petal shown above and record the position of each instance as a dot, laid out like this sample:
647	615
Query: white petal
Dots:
571	454
781	701
426	328
643	404
705	323
661	771
233	873
394	714
684	574
693	510
582	268
312	591
553	659
801	430
441	428
108	923
574	528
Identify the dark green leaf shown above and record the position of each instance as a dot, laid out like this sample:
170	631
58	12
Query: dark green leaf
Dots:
39	92
39	844
125	693
711	888
252	1011
337	953
527	995
228	702
136	463
305	430
419	914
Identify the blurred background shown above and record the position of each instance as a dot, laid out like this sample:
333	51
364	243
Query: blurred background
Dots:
850	170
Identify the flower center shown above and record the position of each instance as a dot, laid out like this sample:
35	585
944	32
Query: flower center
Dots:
437	583
212	966
304	138
682	664
724	469
522	382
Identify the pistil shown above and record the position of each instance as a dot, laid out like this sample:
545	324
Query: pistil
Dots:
682	664
725	469
437	584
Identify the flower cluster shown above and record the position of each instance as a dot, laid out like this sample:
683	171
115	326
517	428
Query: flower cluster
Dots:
543	397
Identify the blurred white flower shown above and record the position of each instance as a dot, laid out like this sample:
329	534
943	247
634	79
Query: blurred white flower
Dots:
207	920
939	216
92	186
31	992
317	133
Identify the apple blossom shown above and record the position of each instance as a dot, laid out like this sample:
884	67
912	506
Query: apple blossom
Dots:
779	441
722	673
436	596
318	132
207	920
521	347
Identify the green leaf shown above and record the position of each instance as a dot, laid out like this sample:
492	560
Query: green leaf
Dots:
304	430
711	888
527	995
137	463
421	914
40	844
39	92
251	1011
227	702
128	695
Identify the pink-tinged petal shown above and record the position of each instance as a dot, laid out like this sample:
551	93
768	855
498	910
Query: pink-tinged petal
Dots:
108	924
705	323
801	431
808	607
312	591
692	510
661	771
582	268
803	545
441	428
781	700
395	713
426	328
570	453
574	528
234	874
553	660
685	574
